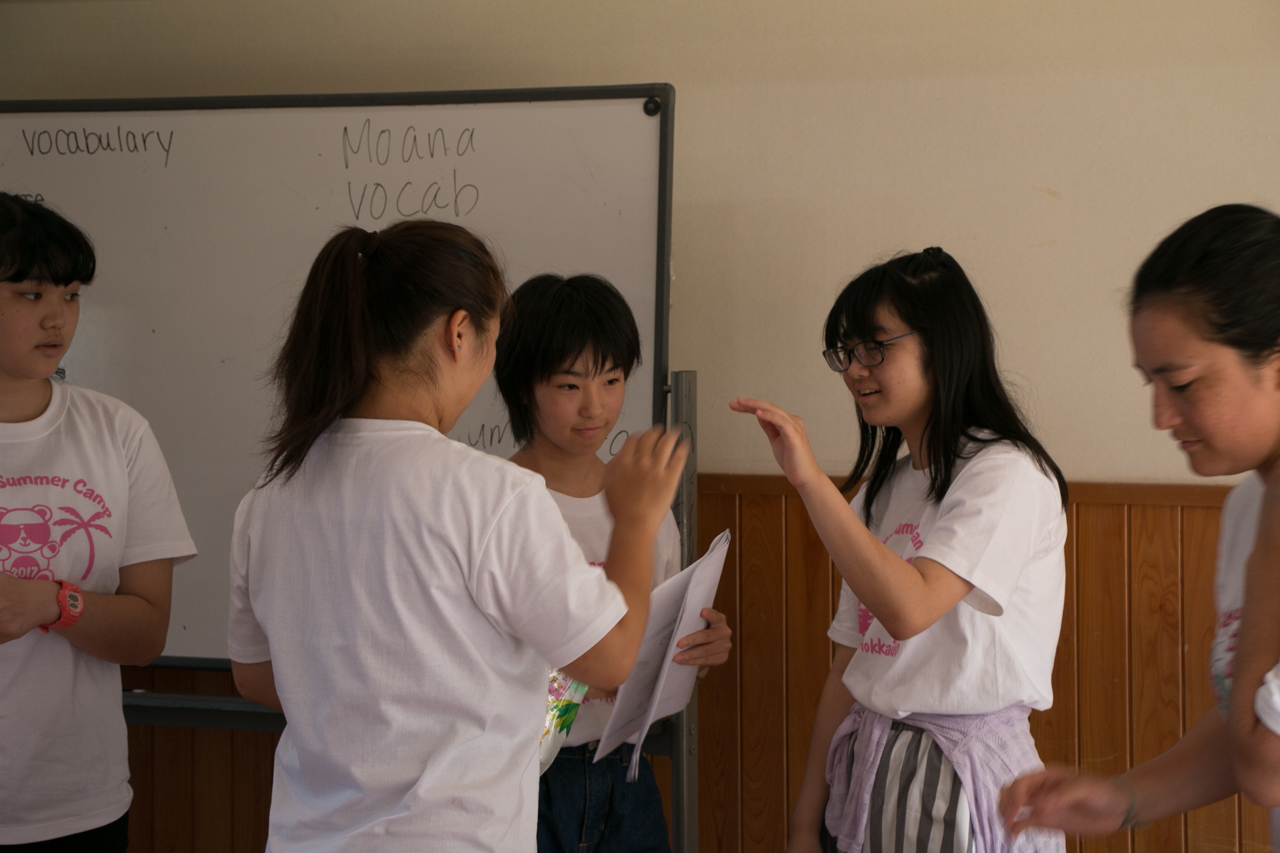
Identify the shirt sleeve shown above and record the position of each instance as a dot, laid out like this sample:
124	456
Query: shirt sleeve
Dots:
992	524
533	582
155	528
246	641
846	629
1266	702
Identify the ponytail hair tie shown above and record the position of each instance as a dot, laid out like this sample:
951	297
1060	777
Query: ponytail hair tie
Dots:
371	242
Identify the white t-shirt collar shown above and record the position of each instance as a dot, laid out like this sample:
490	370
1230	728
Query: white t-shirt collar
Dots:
28	430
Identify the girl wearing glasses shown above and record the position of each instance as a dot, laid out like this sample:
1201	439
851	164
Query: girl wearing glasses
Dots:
952	559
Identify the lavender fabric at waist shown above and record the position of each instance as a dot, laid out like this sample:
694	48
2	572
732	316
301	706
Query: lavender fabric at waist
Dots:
988	751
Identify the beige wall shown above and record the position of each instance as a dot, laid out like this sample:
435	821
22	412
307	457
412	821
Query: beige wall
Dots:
1046	145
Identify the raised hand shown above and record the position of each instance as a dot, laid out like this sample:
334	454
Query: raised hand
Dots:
787	438
641	480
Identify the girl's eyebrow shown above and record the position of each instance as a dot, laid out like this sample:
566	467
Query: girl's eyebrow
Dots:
576	374
1163	369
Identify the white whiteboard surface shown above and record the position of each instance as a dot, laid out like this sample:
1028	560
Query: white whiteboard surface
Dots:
206	221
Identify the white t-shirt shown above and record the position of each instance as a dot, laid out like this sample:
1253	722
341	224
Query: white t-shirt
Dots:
591	524
1001	527
84	490
1237	531
410	592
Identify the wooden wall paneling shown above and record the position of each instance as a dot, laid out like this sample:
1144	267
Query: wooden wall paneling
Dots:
141	812
212	786
808	596
1214	827
1255	828
1056	730
140	766
253	761
1156	651
719	695
213	780
1102	559
173	771
764	673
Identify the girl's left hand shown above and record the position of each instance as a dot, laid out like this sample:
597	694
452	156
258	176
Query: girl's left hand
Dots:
787	438
708	647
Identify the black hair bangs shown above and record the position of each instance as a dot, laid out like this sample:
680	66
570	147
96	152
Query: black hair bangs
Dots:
36	244
557	321
575	324
853	317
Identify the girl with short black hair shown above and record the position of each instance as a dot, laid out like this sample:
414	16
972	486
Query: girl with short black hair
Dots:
562	368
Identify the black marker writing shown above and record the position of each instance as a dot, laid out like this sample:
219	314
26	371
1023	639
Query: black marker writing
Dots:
615	443
488	435
412	201
64	142
377	147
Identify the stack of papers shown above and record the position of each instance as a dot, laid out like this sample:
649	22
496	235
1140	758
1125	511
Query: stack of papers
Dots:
657	687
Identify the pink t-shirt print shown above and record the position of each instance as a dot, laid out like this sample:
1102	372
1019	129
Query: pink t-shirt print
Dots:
28	547
905	539
26	543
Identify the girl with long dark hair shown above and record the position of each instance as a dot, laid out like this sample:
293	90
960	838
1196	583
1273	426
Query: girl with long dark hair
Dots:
399	595
1205	324
952	560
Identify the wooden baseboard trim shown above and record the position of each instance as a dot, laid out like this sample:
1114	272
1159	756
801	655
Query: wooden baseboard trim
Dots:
1141	494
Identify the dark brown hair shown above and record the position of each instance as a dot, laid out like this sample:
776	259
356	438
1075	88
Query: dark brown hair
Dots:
36	244
368	298
1224	266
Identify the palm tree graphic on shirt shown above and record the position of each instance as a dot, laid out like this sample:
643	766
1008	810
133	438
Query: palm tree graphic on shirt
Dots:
77	523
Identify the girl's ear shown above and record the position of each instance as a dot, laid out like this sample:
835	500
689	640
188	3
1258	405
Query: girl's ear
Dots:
459	331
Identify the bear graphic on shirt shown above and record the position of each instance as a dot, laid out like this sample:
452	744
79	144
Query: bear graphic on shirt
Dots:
26	545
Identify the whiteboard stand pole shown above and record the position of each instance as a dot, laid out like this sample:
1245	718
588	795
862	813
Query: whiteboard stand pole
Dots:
684	752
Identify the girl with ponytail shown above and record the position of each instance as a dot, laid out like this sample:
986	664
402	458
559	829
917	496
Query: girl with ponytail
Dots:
400	595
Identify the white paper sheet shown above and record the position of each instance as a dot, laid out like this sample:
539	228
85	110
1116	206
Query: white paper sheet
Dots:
657	687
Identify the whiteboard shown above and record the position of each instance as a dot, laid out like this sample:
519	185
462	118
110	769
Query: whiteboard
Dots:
207	213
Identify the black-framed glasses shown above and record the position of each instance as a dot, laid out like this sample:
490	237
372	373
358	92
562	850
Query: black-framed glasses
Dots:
868	353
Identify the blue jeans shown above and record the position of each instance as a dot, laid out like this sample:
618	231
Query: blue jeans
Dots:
585	807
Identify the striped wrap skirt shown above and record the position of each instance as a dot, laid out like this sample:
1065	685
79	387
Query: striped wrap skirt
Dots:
917	802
